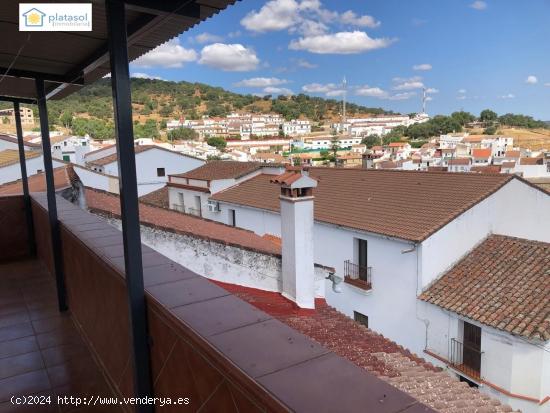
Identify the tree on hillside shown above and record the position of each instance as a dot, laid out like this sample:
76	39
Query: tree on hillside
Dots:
217	142
463	117
371	140
147	130
487	116
490	130
182	134
66	119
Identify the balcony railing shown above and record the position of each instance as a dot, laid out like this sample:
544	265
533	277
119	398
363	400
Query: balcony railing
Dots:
358	275
465	358
178	207
194	211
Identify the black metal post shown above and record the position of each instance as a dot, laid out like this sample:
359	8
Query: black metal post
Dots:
120	84
24	181
50	188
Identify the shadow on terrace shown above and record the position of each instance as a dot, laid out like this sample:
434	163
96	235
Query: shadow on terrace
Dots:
205	344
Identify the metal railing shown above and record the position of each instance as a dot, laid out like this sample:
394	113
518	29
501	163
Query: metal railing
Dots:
465	358
178	207
194	211
357	272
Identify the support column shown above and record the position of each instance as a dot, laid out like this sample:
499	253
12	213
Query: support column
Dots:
120	84
50	188
24	181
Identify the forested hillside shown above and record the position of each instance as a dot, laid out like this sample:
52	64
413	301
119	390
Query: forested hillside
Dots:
156	101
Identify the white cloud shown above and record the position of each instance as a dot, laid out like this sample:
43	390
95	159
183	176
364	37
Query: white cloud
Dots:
432	90
507	96
531	80
461	97
305	64
340	43
261	82
429	98
229	57
547	84
349	17
320	88
423	67
462	91
335	93
306	17
170	54
374	92
274	15
141	75
208	38
402	96
277	91
479	5
411	83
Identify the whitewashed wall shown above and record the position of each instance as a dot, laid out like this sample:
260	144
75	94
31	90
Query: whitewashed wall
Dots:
222	262
13	172
96	180
509	362
147	163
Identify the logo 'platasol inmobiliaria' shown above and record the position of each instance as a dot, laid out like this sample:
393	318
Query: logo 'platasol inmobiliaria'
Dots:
51	17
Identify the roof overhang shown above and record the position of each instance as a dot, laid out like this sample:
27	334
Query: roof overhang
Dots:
67	61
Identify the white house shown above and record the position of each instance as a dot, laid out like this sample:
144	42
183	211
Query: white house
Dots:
297	127
70	148
487	319
391	234
153	165
10	169
190	192
10	142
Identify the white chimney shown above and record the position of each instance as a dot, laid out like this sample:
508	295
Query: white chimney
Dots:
297	236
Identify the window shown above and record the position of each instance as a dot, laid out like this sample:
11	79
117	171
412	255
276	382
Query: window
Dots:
361	318
232	217
363	259
161	172
67	158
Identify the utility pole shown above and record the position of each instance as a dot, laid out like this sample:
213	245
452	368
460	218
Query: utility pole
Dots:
344	96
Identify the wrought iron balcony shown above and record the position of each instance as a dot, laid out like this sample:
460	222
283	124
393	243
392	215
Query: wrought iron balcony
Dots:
194	211
465	359
357	275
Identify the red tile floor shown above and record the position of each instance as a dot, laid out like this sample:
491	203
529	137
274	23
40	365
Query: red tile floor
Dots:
41	351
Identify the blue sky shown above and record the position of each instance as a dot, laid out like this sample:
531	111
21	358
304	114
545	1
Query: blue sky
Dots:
468	54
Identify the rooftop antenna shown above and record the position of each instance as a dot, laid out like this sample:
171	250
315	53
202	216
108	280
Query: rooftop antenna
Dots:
345	91
424	100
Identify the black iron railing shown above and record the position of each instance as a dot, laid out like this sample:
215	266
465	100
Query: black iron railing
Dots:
465	358
354	272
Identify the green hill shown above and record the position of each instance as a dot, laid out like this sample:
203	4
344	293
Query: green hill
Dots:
156	101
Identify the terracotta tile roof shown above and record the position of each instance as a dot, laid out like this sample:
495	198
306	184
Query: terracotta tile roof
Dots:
397	144
512	154
13	139
137	149
63	176
372	352
158	198
221	170
459	161
474	138
531	161
366	199
11	156
508	164
486	169
504	283
481	153
173	221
